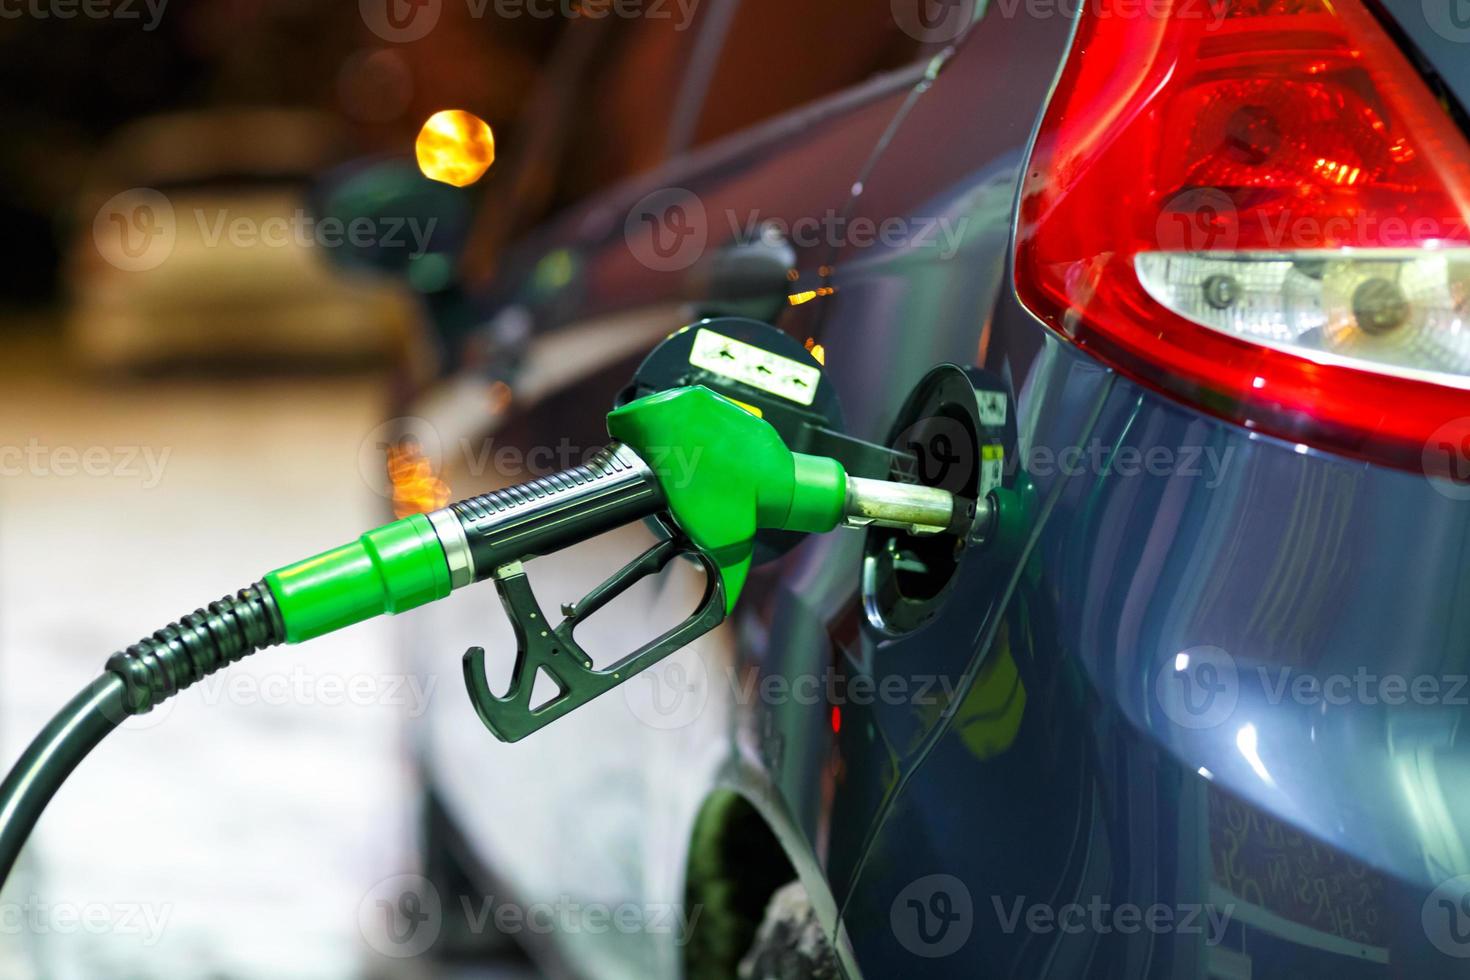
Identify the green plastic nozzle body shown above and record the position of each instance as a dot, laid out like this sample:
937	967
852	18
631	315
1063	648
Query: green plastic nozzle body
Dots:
726	474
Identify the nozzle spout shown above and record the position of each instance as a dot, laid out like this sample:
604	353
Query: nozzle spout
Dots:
906	506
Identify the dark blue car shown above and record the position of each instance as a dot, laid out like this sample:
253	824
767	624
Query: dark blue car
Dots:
1188	281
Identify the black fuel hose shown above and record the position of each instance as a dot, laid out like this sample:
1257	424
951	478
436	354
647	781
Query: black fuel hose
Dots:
136	680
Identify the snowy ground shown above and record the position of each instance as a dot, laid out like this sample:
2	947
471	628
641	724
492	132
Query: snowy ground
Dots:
241	831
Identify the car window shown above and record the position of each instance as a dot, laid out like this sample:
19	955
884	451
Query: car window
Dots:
778	55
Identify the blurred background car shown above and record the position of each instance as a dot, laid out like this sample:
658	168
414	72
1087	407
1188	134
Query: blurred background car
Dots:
214	205
221	379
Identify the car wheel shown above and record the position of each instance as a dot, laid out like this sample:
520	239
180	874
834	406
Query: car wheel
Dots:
790	944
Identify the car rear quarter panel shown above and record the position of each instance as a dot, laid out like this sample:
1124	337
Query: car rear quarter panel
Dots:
1323	826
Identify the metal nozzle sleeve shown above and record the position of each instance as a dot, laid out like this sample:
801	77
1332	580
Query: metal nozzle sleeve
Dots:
910	507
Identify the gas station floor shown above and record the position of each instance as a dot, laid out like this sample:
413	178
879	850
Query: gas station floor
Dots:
239	831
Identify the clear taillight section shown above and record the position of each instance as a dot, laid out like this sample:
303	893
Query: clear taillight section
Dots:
1258	206
1396	312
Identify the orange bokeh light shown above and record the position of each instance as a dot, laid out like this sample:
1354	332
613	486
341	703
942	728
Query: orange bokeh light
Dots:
416	489
455	147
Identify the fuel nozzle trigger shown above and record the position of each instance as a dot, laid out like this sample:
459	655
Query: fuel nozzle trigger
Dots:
554	651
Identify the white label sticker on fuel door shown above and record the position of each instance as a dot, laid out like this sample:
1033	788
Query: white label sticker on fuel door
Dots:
771	373
992	407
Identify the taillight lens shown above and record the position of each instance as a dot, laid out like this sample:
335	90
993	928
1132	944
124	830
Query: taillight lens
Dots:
1258	206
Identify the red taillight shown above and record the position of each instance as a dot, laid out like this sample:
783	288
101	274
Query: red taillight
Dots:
1259	207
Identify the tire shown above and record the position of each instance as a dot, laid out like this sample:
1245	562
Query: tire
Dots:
790	943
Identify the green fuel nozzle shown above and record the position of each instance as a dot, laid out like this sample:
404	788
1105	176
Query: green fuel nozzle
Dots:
720	473
708	473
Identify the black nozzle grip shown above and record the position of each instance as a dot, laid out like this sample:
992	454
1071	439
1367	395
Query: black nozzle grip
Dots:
551	513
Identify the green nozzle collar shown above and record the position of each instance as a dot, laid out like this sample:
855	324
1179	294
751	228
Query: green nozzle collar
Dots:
388	570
